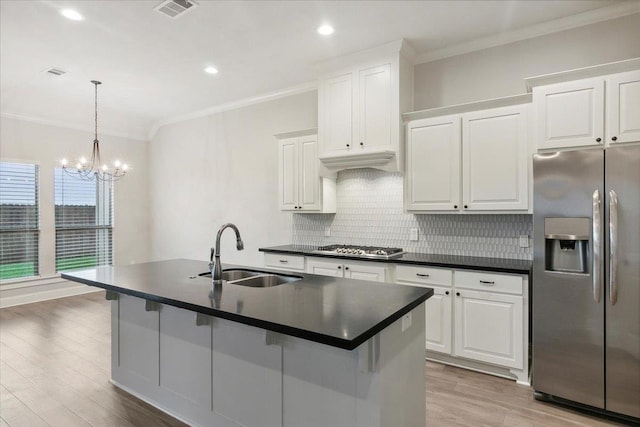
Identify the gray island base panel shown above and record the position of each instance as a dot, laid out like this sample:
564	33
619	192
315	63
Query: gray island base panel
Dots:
180	355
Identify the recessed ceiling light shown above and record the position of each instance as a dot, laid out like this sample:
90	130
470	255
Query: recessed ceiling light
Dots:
325	30
71	14
211	70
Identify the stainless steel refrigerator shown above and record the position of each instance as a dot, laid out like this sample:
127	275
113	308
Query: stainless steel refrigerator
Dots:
586	278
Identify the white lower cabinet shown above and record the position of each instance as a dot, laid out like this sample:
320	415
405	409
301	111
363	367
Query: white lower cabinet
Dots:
474	319
208	371
350	270
438	312
488	328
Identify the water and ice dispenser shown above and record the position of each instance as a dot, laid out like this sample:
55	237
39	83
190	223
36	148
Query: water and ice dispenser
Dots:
567	245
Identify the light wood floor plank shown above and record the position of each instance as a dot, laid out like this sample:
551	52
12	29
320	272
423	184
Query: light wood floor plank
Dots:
55	366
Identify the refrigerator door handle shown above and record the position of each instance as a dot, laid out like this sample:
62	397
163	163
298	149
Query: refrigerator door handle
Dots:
597	244
613	247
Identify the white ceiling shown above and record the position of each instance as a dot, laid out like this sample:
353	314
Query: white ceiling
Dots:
152	66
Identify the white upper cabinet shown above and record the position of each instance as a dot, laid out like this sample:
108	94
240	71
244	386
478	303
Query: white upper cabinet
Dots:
433	164
359	106
623	107
494	159
374	107
587	107
475	161
570	114
337	94
301	189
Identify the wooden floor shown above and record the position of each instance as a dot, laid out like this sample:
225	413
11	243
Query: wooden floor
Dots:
55	362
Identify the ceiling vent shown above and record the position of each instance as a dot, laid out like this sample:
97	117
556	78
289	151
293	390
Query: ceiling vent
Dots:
56	72
175	8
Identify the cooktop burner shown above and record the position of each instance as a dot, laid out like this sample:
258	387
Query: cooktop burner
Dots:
360	251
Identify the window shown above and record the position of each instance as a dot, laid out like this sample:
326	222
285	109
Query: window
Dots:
84	222
19	231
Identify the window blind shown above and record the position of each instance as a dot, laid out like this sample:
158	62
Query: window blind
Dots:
84	222
19	227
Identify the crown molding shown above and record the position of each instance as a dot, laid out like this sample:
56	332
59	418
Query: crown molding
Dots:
569	22
73	126
525	98
294	90
296	133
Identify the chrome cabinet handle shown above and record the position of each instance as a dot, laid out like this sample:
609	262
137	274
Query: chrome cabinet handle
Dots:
284	261
422	275
597	243
484	282
613	247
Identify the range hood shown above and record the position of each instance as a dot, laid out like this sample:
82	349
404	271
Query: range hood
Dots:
383	158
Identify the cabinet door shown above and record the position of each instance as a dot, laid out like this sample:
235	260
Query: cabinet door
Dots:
494	159
438	320
489	328
324	268
309	181
335	113
374	273
570	114
288	173
623	107
433	164
374	107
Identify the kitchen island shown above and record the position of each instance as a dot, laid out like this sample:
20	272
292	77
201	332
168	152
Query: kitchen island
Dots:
317	351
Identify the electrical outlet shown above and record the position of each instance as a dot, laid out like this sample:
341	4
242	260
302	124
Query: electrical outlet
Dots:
406	321
524	241
413	235
327	232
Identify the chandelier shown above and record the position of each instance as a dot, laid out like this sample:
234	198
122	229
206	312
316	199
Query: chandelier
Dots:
93	169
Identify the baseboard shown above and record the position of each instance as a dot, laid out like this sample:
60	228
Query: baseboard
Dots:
30	293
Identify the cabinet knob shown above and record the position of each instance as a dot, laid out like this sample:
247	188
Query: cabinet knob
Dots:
346	268
348	145
465	206
457	294
339	267
446	292
614	138
598	139
455	206
362	143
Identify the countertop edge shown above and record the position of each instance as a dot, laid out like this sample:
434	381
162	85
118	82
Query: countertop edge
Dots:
262	324
401	261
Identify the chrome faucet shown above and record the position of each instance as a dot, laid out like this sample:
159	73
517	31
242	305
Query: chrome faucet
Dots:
214	265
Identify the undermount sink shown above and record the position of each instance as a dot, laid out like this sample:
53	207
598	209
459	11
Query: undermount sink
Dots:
254	279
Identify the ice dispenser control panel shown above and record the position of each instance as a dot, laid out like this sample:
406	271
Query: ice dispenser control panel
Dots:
567	245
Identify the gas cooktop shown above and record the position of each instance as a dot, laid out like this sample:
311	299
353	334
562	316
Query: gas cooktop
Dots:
360	251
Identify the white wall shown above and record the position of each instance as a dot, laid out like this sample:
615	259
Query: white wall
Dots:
46	145
500	71
223	168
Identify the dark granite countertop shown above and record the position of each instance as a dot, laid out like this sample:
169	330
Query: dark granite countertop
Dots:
501	265
337	312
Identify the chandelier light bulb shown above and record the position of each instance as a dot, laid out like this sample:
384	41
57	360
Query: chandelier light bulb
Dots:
83	160
78	166
125	167
117	163
64	162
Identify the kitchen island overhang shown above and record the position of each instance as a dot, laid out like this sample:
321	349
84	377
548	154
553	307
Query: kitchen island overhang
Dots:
335	351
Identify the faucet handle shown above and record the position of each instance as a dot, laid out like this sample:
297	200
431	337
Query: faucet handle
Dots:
212	253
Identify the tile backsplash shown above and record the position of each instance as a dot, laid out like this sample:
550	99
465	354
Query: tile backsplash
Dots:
370	211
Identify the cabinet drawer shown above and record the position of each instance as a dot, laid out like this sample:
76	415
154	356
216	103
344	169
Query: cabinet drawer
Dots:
423	275
284	262
493	282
